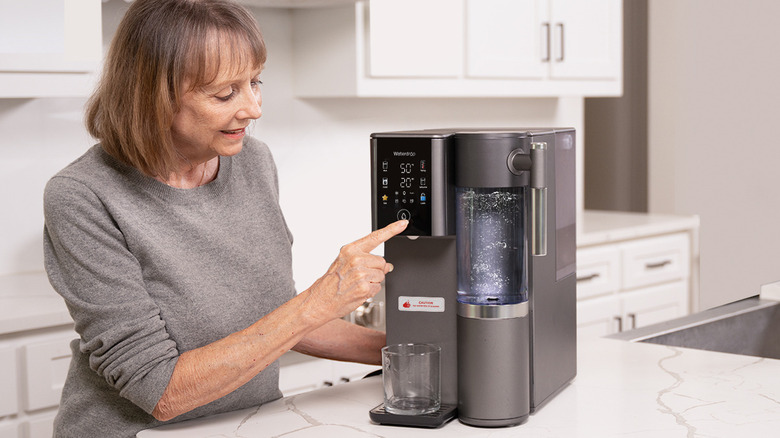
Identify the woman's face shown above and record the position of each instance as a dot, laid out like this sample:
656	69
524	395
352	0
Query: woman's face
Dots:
213	119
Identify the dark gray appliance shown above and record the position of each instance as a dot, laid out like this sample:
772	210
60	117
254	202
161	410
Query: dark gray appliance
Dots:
486	267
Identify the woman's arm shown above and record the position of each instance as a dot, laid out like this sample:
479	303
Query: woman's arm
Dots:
210	372
342	340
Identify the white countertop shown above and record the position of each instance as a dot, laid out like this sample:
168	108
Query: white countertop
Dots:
622	389
597	227
27	302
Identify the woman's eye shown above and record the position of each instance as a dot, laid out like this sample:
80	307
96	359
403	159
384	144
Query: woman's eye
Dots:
256	82
225	96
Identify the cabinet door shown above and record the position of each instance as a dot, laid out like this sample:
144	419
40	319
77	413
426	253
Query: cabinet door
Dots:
654	304
415	38
47	367
656	260
344	372
598	271
50	35
41	426
9	430
586	39
8	375
305	376
597	317
507	39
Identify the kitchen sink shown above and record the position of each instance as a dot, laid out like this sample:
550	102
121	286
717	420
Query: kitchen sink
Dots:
750	327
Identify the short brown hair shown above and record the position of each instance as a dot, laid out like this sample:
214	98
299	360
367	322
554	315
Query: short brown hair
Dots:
159	45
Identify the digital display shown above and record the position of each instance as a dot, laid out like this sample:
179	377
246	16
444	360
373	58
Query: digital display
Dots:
403	176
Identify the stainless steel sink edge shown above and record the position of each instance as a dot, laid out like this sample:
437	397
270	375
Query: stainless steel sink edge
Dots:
704	317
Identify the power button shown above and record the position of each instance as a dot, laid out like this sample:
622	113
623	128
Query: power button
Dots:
404	214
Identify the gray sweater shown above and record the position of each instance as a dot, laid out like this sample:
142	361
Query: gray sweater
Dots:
149	271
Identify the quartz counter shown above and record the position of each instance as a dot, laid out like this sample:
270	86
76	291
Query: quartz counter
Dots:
622	389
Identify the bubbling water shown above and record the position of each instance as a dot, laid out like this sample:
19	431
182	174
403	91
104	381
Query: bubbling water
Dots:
491	245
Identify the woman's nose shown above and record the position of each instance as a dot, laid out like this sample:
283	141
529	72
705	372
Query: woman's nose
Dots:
251	105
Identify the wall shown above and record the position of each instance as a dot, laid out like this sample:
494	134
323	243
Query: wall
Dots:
713	148
321	147
616	162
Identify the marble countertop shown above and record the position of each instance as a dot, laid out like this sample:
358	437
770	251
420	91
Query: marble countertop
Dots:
622	389
28	302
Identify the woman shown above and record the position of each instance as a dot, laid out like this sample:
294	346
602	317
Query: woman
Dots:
167	242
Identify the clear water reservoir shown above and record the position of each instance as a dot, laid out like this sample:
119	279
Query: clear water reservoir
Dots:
491	245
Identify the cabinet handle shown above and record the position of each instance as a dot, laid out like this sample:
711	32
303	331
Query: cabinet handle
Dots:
560	41
657	264
588	277
632	317
546	45
619	320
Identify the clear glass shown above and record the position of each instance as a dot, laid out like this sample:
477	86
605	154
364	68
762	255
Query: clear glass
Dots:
491	245
411	377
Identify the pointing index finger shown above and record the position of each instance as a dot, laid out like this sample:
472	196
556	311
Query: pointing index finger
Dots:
368	243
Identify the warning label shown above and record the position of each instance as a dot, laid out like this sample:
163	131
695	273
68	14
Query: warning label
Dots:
421	304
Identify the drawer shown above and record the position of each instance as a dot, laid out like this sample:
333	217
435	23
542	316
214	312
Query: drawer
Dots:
655	304
9	430
655	260
9	401
305	376
598	317
46	366
598	271
344	372
40	426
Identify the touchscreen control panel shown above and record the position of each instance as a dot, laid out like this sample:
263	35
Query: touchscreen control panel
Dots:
402	183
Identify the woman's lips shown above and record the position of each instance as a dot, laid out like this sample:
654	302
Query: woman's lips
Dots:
235	133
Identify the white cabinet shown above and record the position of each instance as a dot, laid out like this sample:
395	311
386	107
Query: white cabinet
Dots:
429	44
9	430
33	367
49	48
459	48
301	373
8	405
46	366
544	39
582	39
635	275
507	39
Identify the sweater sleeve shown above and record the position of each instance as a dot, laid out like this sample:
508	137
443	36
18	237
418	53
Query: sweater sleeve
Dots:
89	264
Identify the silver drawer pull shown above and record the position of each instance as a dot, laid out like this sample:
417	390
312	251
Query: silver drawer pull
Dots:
588	277
632	317
619	320
657	264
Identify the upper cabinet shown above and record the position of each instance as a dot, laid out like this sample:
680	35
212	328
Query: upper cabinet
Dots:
49	48
450	48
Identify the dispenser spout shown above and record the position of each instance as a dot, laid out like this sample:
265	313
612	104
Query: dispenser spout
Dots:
538	199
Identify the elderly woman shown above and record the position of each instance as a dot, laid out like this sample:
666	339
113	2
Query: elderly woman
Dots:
167	242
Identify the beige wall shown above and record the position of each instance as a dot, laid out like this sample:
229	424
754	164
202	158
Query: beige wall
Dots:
714	146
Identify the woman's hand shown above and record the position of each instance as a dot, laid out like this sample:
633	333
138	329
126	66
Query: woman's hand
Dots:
205	374
354	276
